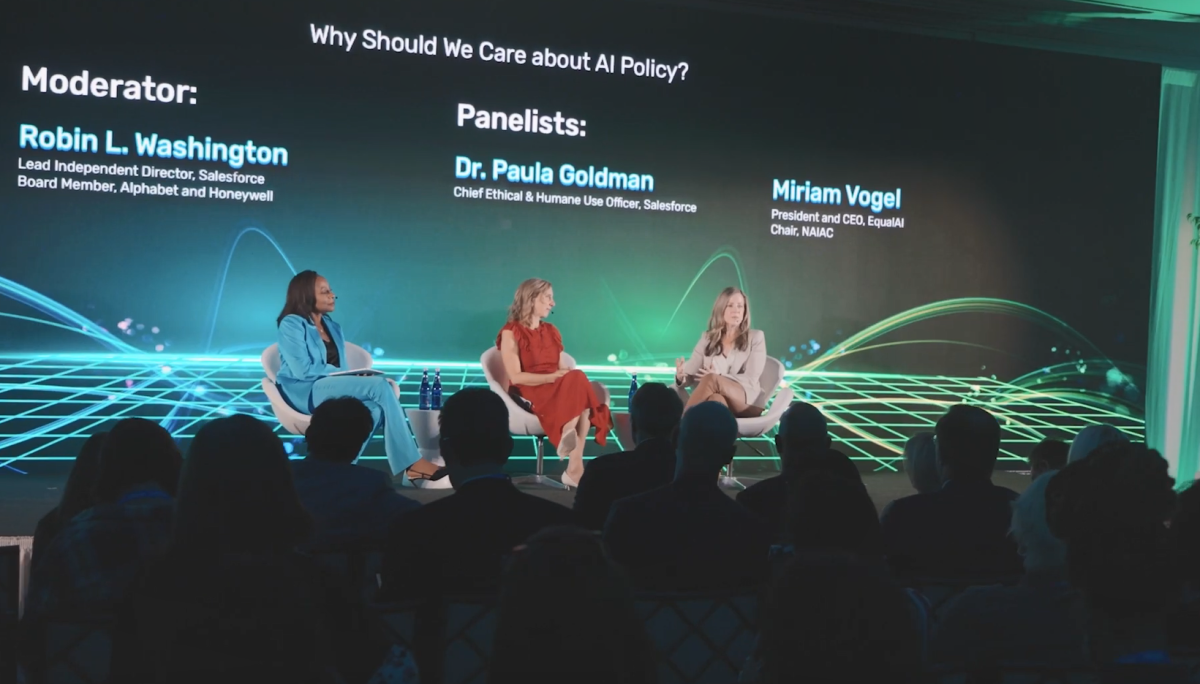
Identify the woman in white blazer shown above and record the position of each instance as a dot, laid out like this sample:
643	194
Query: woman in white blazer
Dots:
728	361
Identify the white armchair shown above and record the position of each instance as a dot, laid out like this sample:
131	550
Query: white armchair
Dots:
758	426
292	420
522	422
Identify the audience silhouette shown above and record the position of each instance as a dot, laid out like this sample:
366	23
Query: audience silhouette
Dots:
217	568
231	600
457	545
1110	509
689	535
835	618
1091	438
960	530
90	563
1049	454
803	444
351	506
79	494
1039	621
830	513
920	463
540	641
654	414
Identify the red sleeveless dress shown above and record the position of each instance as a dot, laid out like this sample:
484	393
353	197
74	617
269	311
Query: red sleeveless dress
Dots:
555	404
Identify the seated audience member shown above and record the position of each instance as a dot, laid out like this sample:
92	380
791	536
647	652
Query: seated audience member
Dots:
350	505
1037	622
830	513
1110	511
78	494
89	565
1050	454
654	413
1184	625
920	463
457	544
689	535
1092	437
834	618
960	530
231	599
803	445
600	619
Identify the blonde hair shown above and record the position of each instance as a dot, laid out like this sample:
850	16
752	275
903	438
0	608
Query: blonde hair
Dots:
716	323
522	304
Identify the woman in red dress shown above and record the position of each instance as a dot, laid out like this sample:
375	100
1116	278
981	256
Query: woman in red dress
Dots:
563	399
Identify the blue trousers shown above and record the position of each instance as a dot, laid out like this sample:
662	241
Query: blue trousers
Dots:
376	393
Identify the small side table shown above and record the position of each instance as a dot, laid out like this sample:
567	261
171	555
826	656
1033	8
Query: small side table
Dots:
425	428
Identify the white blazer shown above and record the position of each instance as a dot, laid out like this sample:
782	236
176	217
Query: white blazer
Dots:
743	366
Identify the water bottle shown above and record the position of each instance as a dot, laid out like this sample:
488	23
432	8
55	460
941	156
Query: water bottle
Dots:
435	395
632	390
424	401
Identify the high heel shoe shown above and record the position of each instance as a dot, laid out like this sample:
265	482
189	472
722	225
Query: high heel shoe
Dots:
568	481
436	480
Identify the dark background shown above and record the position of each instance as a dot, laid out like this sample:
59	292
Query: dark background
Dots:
1028	177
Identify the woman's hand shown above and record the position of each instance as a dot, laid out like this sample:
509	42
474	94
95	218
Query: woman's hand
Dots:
559	373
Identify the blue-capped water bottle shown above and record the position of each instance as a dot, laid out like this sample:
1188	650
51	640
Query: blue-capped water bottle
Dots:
424	401
435	395
632	390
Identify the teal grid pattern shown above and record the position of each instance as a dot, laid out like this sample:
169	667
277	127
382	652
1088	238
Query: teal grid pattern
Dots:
50	402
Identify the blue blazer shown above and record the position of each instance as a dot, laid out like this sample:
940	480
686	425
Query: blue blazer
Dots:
302	358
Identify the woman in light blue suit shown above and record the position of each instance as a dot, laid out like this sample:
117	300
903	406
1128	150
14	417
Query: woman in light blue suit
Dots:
311	347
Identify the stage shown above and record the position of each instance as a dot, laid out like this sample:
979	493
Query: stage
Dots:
26	498
49	403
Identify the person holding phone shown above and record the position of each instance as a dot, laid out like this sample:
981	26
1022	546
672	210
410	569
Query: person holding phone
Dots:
728	361
312	354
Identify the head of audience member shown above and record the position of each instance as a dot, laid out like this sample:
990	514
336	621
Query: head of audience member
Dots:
474	438
1091	438
968	443
707	441
654	412
569	562
533	301
826	512
1049	454
236	494
137	454
837	618
920	463
79	494
1185	528
1110	509
338	430
1044	554
803	433
829	462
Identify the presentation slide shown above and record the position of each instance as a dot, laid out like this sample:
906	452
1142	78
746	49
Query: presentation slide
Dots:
893	205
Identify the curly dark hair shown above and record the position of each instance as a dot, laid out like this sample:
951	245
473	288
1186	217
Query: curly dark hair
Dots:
1110	509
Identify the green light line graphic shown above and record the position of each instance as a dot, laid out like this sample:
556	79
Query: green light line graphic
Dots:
722	253
51	402
966	305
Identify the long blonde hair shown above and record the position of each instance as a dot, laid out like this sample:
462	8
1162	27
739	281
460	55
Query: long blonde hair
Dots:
716	323
522	304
